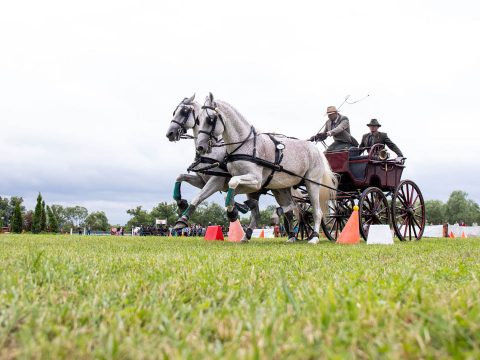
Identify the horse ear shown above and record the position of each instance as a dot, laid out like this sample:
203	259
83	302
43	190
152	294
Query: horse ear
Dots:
211	97
191	98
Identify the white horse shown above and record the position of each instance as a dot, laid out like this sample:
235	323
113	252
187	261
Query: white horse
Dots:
261	160
210	181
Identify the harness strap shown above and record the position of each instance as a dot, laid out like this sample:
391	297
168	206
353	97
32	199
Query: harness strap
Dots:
278	160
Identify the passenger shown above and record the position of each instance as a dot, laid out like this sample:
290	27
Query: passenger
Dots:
338	127
377	137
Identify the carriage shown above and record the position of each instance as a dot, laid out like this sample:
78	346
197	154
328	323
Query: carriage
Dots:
374	183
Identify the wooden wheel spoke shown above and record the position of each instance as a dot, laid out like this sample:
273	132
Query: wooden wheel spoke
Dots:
417	207
402	194
402	200
411	195
415	221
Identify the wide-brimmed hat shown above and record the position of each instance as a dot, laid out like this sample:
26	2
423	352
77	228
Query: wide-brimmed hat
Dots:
331	110
374	122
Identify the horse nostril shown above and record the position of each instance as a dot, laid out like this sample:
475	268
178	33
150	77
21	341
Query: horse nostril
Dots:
170	134
200	149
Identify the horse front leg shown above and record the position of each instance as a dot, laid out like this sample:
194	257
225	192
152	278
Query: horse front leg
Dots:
192	179
214	184
250	180
252	203
286	209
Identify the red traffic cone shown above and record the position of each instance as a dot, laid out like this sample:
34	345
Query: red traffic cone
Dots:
451	235
463	235
235	232
351	232
214	233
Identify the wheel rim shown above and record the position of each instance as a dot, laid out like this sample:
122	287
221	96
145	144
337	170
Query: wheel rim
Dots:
408	210
373	210
334	221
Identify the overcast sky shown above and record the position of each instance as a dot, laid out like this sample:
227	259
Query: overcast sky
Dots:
87	88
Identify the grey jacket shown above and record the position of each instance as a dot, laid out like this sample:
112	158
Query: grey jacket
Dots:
340	129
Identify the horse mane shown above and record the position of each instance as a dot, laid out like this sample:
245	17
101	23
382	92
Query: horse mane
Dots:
230	110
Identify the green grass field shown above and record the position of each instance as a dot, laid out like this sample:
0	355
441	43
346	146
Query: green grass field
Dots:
112	297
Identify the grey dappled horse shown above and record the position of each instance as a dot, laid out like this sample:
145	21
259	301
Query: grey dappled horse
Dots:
214	180
243	142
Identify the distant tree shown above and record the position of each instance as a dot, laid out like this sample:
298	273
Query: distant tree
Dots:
7	207
28	220
43	219
59	213
3	211
17	221
76	215
460	208
266	215
165	211
37	216
435	211
210	213
97	220
52	220
139	217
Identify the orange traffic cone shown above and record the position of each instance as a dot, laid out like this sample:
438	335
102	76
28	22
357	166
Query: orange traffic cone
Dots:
451	235
351	232
262	234
463	235
235	232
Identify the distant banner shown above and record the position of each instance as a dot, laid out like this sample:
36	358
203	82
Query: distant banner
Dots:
161	221
433	231
263	233
469	231
436	231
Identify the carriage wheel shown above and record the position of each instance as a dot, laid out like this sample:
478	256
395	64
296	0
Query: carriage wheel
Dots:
334	221
408	211
373	210
304	224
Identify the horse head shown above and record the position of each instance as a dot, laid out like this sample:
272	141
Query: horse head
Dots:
184	118
211	125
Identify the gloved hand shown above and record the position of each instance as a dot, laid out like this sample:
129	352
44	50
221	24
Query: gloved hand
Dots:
399	159
321	136
311	138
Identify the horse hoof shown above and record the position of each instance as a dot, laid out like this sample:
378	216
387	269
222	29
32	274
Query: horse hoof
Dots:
244	241
314	241
291	240
180	225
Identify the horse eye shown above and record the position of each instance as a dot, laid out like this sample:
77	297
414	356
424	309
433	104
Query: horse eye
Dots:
185	111
211	119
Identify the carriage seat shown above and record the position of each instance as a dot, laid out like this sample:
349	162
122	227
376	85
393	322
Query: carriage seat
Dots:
357	168
354	154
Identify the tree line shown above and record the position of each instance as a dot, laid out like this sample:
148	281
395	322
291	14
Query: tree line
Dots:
45	218
458	208
56	218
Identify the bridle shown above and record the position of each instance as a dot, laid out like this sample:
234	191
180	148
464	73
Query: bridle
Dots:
212	120
186	111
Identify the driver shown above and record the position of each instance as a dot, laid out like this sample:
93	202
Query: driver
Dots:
377	137
338	127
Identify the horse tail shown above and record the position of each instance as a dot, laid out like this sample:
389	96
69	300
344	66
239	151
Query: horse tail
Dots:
329	179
